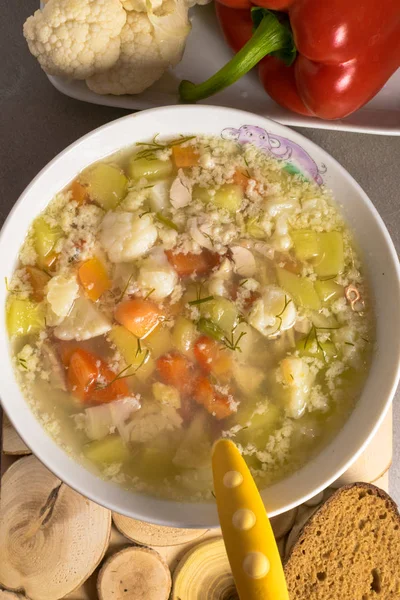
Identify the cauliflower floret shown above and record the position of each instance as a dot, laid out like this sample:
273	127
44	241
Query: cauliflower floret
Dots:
61	293
140	5
157	275
83	322
150	44
274	312
76	38
126	236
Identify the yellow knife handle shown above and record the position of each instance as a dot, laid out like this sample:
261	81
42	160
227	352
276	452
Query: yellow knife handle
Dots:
249	540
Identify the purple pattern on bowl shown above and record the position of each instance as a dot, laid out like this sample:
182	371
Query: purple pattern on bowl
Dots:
297	159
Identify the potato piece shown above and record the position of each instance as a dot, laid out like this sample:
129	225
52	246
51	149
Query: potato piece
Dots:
301	289
166	394
305	244
45	239
107	451
106	184
159	341
184	336
150	169
330	259
329	290
135	355
24	317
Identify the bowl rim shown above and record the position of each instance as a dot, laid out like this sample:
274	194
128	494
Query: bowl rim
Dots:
39	446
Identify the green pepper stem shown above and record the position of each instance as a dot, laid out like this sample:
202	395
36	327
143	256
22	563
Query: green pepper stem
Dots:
270	36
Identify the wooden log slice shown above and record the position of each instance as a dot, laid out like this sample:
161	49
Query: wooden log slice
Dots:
12	443
154	535
51	537
204	572
135	573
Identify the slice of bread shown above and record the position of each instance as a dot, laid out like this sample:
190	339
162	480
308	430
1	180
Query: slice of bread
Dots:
349	549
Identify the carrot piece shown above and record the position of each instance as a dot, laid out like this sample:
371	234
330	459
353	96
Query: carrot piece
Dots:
91	380
139	316
240	179
94	278
187	264
66	350
83	372
79	192
176	370
215	403
109	388
212	357
38	280
185	156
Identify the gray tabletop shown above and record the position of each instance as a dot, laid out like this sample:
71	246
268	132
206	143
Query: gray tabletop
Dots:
37	122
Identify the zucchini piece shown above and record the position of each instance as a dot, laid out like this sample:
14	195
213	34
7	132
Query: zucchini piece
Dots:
24	317
329	290
106	184
260	421
107	451
330	259
222	312
305	244
201	193
150	169
301	289
325	351
45	239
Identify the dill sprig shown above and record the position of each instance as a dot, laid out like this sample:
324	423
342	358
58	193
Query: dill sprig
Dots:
167	222
126	287
200	300
314	332
231	343
279	315
149	293
120	375
139	347
22	363
150	148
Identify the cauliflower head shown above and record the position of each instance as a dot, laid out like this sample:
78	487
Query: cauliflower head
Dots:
126	236
76	38
151	42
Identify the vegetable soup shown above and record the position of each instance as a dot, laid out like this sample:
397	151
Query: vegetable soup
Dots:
182	291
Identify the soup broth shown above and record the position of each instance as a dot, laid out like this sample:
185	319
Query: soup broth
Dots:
182	291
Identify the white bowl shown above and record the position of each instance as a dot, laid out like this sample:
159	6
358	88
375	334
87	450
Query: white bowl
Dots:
377	251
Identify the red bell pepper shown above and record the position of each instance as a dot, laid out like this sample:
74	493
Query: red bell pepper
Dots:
325	58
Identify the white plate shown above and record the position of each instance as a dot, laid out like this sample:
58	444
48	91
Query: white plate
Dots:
205	53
